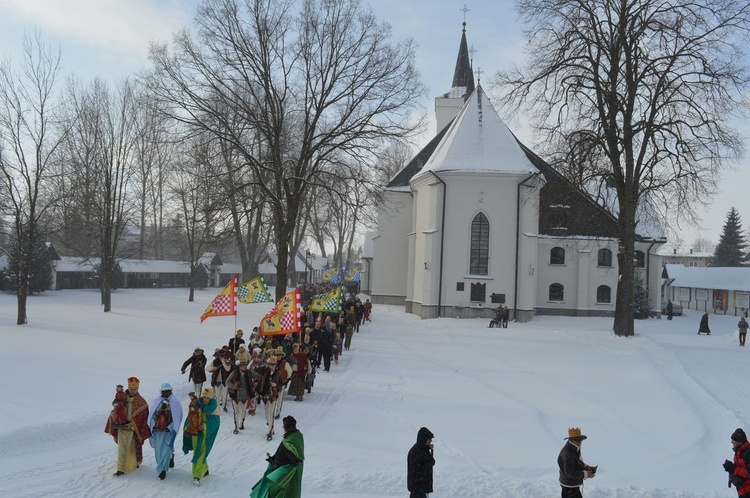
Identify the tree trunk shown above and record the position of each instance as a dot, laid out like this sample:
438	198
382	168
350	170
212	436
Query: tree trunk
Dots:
21	296
625	306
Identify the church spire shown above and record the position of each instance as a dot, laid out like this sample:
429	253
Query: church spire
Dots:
463	76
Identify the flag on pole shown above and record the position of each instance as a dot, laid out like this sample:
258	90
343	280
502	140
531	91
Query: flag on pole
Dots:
337	277
284	318
327	303
254	291
329	273
353	275
225	303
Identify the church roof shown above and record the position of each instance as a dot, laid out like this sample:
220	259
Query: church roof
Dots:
478	140
401	179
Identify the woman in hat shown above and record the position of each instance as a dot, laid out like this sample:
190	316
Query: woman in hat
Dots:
201	444
572	469
300	368
197	363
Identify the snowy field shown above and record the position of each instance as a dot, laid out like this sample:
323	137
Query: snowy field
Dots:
658	408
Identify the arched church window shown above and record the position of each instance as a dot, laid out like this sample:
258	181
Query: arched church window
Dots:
556	292
605	257
479	258
557	256
640	259
603	294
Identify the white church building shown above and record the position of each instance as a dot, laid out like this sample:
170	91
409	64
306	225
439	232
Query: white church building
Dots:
476	220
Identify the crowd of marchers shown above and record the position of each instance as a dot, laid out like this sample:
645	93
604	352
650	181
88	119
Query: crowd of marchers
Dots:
244	376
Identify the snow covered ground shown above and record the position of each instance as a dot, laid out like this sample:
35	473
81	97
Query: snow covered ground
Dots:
658	408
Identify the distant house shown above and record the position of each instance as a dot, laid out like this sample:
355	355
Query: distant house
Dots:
685	257
308	267
724	291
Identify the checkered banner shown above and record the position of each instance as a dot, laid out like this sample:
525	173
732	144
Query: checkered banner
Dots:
254	291
225	303
327	303
284	318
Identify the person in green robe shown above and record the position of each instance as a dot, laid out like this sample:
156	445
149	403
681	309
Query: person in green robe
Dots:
283	477
202	442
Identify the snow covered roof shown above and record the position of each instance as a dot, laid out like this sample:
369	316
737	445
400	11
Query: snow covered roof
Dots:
696	277
71	264
678	252
478	141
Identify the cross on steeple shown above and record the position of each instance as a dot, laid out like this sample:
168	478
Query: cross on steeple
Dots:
465	10
479	75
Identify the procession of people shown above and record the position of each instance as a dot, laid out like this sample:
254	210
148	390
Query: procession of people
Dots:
244	375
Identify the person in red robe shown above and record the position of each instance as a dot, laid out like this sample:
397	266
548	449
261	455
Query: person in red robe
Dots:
130	439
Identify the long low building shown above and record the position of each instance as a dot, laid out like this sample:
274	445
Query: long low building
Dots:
720	290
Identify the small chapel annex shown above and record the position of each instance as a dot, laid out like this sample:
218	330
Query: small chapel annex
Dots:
476	219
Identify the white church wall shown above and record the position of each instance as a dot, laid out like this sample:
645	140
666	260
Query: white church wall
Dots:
389	267
426	259
525	307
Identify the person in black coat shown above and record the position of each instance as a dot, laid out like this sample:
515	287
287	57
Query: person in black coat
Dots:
703	327
197	364
573	470
419	465
325	343
234	342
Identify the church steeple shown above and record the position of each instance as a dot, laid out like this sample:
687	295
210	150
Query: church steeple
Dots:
448	104
463	76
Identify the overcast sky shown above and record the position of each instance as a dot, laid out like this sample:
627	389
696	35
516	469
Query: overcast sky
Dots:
110	38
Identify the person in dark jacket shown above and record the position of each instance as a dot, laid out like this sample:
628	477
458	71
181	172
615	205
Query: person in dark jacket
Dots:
197	364
325	343
742	325
419	465
234	342
670	310
572	469
703	327
739	470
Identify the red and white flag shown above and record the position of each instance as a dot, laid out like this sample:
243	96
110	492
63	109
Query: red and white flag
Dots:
225	303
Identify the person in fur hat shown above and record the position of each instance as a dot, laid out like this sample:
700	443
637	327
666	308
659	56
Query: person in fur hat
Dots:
739	469
572	469
130	439
197	363
267	390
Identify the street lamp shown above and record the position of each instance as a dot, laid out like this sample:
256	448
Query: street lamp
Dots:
307	255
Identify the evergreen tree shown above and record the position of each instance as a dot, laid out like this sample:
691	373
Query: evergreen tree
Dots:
40	273
641	308
730	251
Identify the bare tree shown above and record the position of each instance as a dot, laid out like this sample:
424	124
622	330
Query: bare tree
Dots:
635	94
29	137
153	156
97	173
311	81
196	196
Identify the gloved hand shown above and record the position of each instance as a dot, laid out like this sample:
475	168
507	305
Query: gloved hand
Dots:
728	466
183	372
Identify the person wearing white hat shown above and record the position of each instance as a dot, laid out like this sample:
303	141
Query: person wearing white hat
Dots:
164	420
